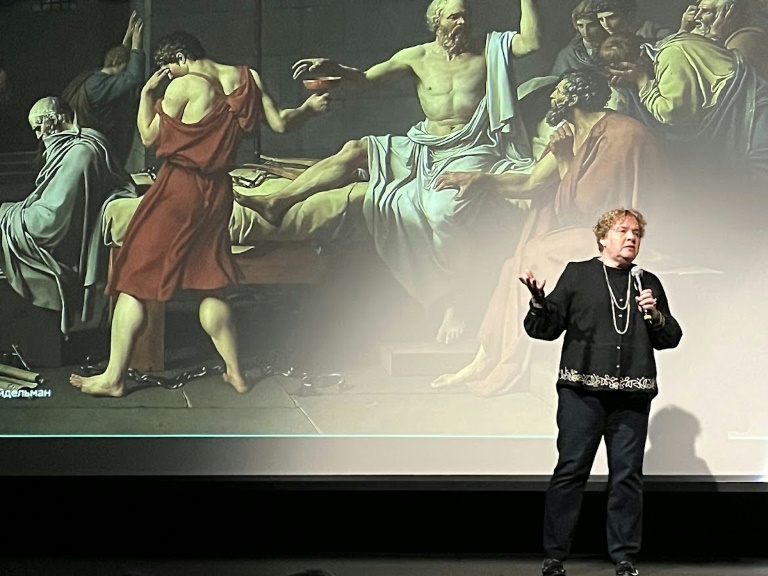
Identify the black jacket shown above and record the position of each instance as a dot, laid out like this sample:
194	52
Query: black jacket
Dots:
595	355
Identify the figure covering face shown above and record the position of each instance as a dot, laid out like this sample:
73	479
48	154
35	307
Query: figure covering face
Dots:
707	103
178	238
107	99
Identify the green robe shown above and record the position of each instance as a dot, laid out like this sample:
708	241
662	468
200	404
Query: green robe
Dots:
707	100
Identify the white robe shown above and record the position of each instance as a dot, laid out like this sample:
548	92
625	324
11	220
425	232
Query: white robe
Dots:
427	237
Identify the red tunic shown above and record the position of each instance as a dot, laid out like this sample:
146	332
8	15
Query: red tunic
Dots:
178	237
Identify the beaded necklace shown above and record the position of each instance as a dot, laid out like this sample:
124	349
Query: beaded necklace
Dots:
615	303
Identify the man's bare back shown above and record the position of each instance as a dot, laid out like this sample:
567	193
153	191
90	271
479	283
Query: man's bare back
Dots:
194	95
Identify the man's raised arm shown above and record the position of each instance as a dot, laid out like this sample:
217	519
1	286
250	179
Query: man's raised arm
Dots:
529	38
393	69
148	121
128	36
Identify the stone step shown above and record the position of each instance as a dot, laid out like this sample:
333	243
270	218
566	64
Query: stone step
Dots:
426	358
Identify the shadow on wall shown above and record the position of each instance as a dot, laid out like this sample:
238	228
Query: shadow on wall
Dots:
672	433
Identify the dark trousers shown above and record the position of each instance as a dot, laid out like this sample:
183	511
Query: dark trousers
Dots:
583	419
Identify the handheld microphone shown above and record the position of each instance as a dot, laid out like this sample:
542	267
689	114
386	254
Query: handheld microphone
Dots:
637	276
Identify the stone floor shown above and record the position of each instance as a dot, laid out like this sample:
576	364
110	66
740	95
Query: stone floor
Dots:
369	371
364	400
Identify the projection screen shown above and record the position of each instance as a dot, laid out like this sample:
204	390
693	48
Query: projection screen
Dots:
705	241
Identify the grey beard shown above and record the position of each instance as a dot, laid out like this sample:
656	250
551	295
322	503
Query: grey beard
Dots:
454	44
702	29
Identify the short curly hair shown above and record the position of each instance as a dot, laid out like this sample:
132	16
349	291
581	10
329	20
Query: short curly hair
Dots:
590	87
178	42
434	10
609	219
117	56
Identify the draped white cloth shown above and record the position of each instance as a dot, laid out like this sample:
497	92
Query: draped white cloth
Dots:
427	237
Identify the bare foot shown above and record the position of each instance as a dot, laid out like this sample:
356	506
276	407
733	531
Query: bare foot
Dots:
268	207
452	328
479	368
99	385
447	380
238	382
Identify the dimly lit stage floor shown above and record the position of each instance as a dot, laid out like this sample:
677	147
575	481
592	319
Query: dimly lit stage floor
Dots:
376	566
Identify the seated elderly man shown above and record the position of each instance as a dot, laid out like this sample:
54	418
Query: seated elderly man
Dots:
49	242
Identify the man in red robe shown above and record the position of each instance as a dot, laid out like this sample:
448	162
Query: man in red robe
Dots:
596	159
178	239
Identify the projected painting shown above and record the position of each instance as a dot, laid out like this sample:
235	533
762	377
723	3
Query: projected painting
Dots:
442	151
